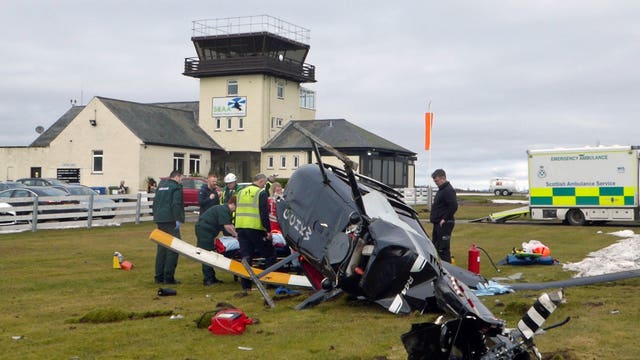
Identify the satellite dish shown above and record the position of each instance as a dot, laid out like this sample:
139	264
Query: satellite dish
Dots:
39	129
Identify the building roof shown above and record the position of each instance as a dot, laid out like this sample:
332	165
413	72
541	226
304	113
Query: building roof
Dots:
193	106
54	130
160	125
166	124
338	133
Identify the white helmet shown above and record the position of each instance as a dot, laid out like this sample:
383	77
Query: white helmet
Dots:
229	178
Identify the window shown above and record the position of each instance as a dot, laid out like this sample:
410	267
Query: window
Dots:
280	90
232	87
283	161
392	171
307	99
296	161
229	123
97	161
194	164
240	123
276	122
269	162
218	124
178	162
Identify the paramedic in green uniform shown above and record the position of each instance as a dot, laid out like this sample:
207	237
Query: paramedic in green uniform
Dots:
209	225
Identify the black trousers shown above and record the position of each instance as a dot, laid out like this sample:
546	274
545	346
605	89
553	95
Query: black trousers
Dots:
206	241
255	242
441	238
166	259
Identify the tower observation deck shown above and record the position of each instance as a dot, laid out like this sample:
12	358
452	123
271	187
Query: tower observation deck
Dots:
250	45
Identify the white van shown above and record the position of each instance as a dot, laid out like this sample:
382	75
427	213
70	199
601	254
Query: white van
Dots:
503	186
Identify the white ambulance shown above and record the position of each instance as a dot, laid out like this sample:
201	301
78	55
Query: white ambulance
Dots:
580	185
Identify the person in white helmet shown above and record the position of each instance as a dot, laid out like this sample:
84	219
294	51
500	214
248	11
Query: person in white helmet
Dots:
230	188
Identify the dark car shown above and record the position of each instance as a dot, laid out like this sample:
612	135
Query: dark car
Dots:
44	194
101	204
10	185
41	182
190	189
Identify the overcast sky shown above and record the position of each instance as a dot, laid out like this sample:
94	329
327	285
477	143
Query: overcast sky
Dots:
502	76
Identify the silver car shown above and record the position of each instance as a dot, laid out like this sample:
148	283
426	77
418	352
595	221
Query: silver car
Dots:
101	204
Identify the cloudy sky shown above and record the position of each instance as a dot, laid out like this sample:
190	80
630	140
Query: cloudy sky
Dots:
502	76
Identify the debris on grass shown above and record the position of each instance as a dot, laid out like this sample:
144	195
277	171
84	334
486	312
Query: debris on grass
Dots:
100	316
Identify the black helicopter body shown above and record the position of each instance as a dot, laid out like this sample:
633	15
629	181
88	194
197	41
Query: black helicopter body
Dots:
357	235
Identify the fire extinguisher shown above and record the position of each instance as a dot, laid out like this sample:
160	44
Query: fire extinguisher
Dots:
474	259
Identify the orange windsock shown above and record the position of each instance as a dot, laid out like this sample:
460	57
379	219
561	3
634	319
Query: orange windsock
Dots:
428	123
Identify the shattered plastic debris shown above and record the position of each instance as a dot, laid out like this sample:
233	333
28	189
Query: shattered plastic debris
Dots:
492	288
17	337
178	316
244	348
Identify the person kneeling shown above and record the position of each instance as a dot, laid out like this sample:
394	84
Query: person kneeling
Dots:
209	225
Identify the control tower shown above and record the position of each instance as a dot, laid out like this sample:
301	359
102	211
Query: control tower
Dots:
250	45
250	71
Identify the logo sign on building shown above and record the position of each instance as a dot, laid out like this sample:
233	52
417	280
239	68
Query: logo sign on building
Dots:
229	106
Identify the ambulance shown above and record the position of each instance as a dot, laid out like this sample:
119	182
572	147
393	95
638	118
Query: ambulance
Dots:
584	185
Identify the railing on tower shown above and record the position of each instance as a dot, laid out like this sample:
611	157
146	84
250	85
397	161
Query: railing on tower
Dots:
251	24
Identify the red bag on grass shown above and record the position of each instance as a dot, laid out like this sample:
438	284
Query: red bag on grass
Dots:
229	322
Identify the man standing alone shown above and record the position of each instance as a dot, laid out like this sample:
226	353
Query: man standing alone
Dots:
443	208
168	214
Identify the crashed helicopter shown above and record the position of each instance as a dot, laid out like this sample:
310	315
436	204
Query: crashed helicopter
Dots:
356	235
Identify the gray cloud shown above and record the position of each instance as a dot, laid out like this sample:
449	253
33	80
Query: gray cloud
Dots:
502	76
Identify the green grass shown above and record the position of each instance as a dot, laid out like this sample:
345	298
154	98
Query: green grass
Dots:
52	279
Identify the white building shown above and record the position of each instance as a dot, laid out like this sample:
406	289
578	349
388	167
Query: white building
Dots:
251	72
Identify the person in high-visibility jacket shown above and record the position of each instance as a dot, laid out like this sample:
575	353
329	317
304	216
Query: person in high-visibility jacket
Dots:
252	225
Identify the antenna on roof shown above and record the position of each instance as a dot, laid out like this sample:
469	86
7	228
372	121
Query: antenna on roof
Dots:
39	129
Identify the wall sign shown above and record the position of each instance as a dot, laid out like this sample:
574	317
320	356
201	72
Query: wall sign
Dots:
229	106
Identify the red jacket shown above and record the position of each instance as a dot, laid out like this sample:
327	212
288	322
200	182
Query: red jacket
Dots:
273	215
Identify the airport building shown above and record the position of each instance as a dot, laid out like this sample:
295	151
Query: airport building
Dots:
251	73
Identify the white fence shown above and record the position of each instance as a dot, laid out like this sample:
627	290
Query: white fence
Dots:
20	214
24	214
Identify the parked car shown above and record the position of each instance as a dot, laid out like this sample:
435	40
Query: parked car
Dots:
41	182
10	185
7	214
44	193
101	204
190	189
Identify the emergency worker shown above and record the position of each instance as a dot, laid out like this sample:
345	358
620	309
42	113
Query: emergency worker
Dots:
168	214
209	225
230	188
445	205
270	180
252	225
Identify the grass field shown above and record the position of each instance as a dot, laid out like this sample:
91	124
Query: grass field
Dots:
52	279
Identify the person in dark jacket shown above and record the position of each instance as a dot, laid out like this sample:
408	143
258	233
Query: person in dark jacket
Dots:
209	194
168	214
209	225
443	208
